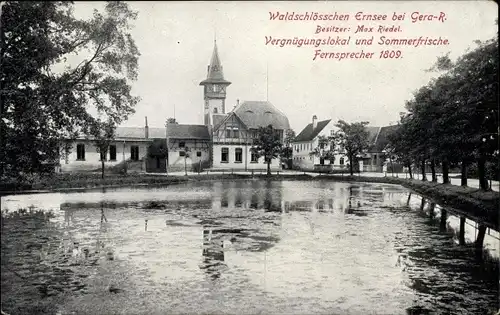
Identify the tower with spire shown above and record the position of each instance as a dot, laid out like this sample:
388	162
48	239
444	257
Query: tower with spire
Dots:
214	88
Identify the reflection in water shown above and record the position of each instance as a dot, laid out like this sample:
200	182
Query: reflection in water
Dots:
273	247
213	253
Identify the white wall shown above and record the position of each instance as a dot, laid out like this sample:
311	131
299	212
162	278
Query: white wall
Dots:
301	158
246	158
93	158
176	161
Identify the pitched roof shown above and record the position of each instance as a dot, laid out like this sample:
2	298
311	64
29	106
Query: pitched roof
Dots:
372	133
179	131
382	139
256	114
215	74
308	133
218	119
139	132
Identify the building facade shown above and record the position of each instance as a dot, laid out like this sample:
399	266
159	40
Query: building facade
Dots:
309	152
223	141
233	133
130	146
188	147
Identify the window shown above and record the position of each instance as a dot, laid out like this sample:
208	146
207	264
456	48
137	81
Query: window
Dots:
80	152
253	158
215	110
182	144
238	155
157	162
198	154
322	145
182	153
134	153
112	152
322	161
232	133
224	158
102	156
341	161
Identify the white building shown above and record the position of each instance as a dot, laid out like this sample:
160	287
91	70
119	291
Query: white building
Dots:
129	146
233	133
308	140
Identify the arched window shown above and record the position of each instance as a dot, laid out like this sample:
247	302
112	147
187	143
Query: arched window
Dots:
341	161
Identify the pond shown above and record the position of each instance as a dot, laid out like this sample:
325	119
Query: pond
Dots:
240	247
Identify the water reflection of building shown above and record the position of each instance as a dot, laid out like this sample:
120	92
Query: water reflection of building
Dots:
213	253
247	194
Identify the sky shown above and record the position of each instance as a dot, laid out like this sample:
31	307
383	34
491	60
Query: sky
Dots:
176	41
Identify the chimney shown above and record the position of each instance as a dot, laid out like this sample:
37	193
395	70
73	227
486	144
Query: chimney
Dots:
315	121
237	102
146	128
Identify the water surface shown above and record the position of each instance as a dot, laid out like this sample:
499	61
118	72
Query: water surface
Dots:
250	247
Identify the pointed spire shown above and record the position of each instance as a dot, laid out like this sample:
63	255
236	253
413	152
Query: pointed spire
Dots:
215	65
215	73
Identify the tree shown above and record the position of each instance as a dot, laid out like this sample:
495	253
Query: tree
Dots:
400	145
267	144
44	98
171	121
102	134
287	150
325	148
352	139
454	118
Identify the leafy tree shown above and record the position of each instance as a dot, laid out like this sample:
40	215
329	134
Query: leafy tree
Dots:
171	121
287	149
454	119
45	98
400	145
325	148
158	148
352	139
267	144
103	134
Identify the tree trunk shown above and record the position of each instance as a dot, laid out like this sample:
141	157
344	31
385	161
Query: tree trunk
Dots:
422	166
481	232
102	168
481	172
268	167
433	170
463	175
409	171
351	164
446	172
461	232
392	165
